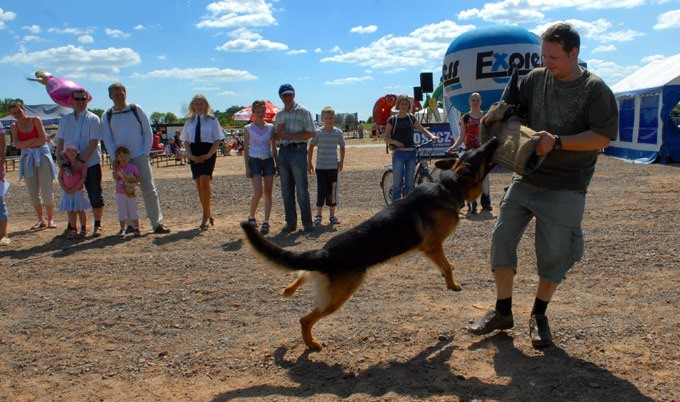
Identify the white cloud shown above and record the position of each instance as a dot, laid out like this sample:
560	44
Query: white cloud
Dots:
227	93
162	57
139	27
604	48
32	38
116	33
6	16
506	12
71	31
85	39
244	33
609	71
34	29
318	50
421	47
294	52
206	74
394	70
348	80
591	30
204	88
523	11
238	13
72	61
620	36
245	45
335	49
363	30
654	57
669	19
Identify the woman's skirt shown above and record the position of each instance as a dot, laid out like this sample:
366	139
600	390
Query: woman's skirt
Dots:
206	168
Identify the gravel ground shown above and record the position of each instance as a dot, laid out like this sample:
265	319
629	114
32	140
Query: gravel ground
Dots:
195	316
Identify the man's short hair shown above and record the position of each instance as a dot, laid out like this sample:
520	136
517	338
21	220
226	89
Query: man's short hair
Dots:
328	110
79	90
117	85
564	34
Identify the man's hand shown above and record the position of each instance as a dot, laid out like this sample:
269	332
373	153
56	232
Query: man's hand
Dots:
546	144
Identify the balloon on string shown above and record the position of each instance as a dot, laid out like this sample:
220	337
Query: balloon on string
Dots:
481	60
59	89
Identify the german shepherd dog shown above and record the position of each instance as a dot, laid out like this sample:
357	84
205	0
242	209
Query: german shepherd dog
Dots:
422	220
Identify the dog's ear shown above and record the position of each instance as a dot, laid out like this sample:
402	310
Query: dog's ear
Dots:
463	170
446	164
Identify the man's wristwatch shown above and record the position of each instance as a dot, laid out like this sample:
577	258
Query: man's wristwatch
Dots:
558	143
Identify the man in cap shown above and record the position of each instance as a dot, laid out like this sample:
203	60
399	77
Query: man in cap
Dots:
82	129
294	126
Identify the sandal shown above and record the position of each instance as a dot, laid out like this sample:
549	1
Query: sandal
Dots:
73	234
52	225
317	220
265	228
39	225
334	220
253	222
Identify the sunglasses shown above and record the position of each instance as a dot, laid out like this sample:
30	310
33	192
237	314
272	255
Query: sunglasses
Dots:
80	99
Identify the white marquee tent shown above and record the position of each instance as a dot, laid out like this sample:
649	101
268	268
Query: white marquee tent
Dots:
647	131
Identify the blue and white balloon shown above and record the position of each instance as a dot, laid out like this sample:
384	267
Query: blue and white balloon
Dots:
480	61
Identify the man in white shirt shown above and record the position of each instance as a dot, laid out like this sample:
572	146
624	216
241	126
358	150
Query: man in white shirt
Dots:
82	128
128	126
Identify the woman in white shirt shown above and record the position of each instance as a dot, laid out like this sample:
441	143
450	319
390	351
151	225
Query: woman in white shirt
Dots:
203	133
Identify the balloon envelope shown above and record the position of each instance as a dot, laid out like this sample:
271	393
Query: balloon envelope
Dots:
59	89
480	60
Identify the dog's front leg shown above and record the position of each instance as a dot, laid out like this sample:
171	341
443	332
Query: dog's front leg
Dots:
437	256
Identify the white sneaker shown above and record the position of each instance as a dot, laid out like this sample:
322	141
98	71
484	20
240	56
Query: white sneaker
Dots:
5	241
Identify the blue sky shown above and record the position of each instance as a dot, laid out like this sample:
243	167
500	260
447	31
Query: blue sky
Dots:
343	54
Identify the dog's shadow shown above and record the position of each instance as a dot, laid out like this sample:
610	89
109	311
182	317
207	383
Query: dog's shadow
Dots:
432	373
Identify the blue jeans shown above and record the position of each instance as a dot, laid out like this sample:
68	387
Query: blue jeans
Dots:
403	172
293	175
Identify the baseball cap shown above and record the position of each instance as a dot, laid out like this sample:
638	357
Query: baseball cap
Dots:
286	89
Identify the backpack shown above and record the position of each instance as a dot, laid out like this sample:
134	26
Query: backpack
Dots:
133	108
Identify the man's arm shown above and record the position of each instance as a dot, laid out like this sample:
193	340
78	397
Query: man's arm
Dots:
146	130
585	141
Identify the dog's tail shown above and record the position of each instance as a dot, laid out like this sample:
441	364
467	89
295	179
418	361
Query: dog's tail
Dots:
312	260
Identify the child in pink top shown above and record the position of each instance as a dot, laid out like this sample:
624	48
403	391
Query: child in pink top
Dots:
127	177
72	181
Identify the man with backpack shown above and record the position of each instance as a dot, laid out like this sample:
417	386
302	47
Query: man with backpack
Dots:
126	125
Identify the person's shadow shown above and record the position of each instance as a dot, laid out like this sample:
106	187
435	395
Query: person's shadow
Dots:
553	376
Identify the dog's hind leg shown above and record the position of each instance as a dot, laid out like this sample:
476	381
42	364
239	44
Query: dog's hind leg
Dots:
436	254
289	290
331	294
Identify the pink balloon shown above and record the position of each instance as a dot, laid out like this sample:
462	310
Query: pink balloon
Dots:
59	89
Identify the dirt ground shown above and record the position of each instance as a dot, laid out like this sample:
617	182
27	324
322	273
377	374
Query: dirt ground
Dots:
195	316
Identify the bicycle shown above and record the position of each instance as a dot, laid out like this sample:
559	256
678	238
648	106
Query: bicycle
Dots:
422	175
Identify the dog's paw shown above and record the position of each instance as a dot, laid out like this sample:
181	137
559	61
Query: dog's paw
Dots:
288	292
314	345
455	287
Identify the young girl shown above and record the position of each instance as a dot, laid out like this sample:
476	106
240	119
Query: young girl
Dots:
261	162
127	176
72	180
